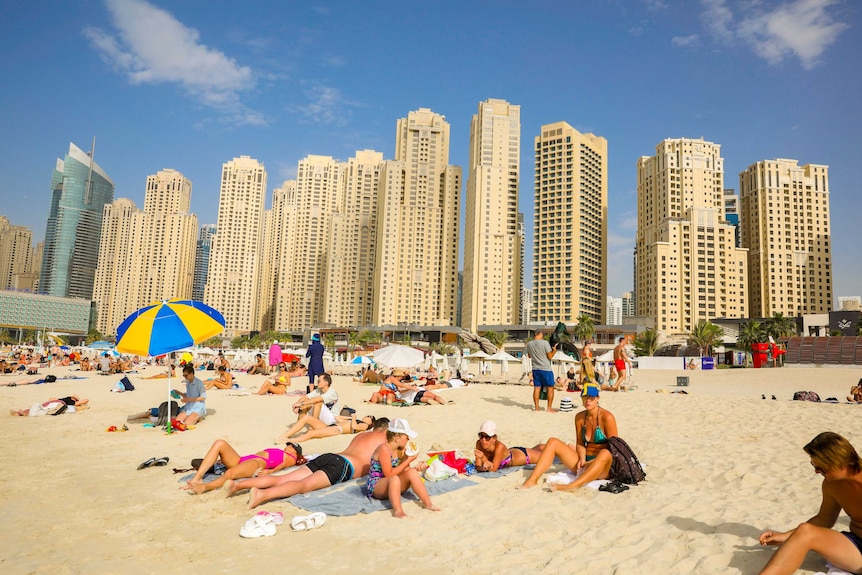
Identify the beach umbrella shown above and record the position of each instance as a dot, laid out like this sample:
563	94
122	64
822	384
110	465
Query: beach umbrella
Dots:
398	356
168	326
362	360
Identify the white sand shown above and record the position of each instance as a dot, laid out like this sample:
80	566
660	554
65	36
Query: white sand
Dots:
722	465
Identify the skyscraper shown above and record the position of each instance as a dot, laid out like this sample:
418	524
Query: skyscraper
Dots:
233	275
202	260
417	249
16	253
570	242
688	266
148	255
786	228
492	250
80	190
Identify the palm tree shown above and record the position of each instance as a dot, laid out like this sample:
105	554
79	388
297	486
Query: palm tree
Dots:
329	341
646	342
498	338
93	335
750	332
443	348
705	335
780	326
353	340
214	341
586	327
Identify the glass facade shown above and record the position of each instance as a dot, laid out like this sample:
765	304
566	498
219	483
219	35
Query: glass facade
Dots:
202	260
33	311
80	190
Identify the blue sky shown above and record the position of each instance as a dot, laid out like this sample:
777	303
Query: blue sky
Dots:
190	85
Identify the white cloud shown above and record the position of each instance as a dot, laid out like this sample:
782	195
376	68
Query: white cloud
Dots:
150	46
685	41
800	28
326	105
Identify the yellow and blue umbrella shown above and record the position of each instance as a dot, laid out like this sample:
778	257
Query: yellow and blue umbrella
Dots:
167	326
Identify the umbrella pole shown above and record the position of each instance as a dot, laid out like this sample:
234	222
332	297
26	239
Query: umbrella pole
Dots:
168	425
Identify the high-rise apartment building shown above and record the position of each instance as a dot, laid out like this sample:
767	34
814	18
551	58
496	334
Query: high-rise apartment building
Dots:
614	311
688	266
570	243
628	304
80	190
492	249
16	253
145	256
202	260
233	275
785	226
418	216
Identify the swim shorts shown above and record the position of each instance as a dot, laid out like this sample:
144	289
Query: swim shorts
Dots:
542	378
855	539
337	468
620	364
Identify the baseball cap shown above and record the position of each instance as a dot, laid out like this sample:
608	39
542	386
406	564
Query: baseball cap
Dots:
488	428
590	390
399	425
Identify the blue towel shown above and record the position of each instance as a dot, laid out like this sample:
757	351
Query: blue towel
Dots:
349	498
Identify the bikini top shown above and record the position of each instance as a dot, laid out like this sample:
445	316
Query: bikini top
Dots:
598	434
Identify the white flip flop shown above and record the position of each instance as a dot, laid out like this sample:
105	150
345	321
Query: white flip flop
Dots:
258	526
306	522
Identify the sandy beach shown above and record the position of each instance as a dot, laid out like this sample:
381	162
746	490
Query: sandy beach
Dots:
722	465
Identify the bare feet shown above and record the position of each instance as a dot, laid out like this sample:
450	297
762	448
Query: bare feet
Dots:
550	410
399	514
230	488
432	507
198	487
255	497
526	485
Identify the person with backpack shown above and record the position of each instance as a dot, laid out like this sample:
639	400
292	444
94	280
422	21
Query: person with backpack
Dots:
589	455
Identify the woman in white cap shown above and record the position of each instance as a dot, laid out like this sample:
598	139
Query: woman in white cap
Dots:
589	457
493	455
391	475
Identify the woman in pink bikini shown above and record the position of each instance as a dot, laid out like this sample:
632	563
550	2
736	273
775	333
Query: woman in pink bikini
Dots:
261	463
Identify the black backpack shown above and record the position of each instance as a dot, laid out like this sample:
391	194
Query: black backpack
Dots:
625	467
163	412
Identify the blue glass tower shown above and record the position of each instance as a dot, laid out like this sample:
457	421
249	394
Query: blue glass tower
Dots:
80	190
202	260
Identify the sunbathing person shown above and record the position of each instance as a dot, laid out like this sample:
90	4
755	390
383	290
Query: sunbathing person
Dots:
85	364
279	384
390	473
259	366
833	457
322	471
855	393
169	373
492	455
343	426
614	381
71	400
223	380
589	456
259	464
370	376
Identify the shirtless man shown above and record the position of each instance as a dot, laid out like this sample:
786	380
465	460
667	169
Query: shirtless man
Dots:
322	471
620	358
837	461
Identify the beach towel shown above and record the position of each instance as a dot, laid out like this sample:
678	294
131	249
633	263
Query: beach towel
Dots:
349	498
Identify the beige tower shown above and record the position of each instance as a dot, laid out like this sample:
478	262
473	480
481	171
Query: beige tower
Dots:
16	253
570	242
688	266
233	275
319	194
417	241
284	219
145	256
353	244
491	291
785	226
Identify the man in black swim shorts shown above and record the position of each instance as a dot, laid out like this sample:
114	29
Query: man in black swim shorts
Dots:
337	468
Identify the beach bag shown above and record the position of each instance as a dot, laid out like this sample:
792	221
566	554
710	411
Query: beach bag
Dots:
566	404
50	378
57	409
127	384
806	396
347	411
625	467
437	470
163	412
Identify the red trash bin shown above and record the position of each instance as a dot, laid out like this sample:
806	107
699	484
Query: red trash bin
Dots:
759	354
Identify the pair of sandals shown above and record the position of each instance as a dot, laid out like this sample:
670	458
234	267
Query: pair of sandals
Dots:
261	525
614	487
154	462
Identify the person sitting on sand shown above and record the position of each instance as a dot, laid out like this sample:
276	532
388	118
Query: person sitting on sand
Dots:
318	401
222	380
614	381
589	456
259	464
390	473
833	457
5	367
221	360
856	393
71	401
279	384
492	455
168	373
85	364
194	399
322	471
259	367
343	425
389	387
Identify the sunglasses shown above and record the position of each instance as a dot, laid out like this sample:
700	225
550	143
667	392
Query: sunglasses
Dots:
486	436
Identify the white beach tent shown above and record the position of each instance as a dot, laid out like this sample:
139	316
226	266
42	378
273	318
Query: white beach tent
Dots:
504	359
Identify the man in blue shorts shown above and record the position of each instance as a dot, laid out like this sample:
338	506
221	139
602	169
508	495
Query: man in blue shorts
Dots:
540	353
